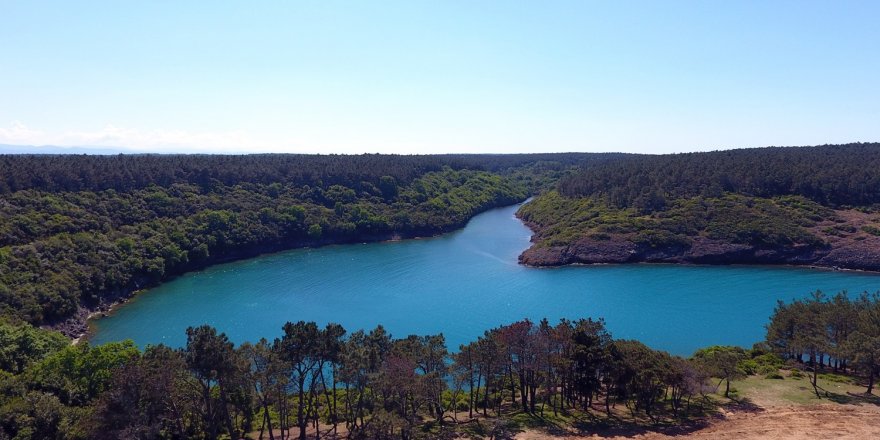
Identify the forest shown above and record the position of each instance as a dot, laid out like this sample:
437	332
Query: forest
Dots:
324	382
807	205
80	232
126	172
837	332
831	175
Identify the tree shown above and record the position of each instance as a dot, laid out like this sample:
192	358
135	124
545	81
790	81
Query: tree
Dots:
863	345
640	375
388	186
79	373
267	377
213	363
22	345
590	357
333	343
721	361
144	399
801	329
305	349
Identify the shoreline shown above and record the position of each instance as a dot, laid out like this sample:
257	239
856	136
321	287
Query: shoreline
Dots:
574	255
854	253
79	326
83	321
684	263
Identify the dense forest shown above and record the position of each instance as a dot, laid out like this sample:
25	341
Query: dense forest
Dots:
125	172
810	205
314	382
79	232
831	175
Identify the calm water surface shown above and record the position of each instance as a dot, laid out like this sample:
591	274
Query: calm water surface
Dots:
463	283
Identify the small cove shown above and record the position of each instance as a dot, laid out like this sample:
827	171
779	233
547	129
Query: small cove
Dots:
463	283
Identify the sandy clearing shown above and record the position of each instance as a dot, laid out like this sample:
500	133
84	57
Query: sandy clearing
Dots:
783	422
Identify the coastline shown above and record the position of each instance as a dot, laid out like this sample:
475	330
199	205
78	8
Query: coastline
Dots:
839	253
79	326
588	252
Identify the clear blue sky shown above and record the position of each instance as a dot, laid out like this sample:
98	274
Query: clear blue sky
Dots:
439	76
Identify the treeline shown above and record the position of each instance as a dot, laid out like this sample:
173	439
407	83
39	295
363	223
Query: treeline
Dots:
765	206
80	231
832	175
731	218
829	333
60	251
56	173
315	380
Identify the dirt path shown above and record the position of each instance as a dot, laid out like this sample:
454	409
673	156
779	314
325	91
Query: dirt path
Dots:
813	422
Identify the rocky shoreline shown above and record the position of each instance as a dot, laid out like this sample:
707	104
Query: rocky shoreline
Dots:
863	254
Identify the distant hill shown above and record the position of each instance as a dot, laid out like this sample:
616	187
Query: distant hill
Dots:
53	149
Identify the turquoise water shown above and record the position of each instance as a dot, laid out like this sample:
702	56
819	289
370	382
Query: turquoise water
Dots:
463	283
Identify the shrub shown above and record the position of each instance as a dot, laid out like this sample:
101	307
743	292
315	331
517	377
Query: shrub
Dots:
749	366
873	230
768	369
835	378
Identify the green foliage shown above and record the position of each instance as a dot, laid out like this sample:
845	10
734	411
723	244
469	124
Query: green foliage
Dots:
67	249
830	175
315	231
822	332
721	361
372	383
836	378
873	230
21	345
770	198
732	218
760	363
79	373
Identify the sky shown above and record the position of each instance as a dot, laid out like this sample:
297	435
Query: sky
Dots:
439	76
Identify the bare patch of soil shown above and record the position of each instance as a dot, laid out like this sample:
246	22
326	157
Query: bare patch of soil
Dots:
784	423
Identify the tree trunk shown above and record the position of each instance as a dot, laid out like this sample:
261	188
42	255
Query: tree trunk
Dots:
815	377
608	403
486	397
268	420
471	396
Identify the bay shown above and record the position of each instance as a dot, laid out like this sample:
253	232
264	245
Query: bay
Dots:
463	283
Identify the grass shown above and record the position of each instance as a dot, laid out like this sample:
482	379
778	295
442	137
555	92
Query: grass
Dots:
755	393
798	391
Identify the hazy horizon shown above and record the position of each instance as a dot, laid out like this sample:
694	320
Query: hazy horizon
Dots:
113	150
438	77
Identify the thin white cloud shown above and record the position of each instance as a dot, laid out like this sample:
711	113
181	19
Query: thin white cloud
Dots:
132	139
18	133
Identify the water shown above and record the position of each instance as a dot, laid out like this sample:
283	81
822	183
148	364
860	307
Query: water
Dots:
463	283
